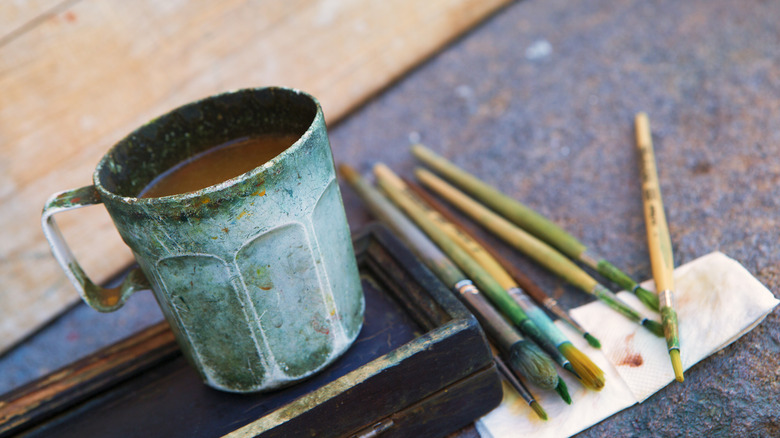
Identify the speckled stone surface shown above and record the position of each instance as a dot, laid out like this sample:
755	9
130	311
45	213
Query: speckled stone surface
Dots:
540	100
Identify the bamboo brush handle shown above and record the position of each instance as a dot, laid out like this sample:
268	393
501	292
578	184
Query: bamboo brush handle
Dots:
658	241
418	242
396	191
529	245
526	217
472	247
523	281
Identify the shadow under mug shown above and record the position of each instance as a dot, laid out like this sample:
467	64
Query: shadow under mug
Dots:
256	275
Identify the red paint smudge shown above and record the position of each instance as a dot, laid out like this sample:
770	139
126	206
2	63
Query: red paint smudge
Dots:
319	327
629	357
633	360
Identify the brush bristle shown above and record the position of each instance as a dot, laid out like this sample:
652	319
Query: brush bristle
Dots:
590	374
593	342
563	391
647	298
531	362
677	365
539	410
655	327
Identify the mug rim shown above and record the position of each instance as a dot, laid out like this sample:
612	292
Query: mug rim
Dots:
105	193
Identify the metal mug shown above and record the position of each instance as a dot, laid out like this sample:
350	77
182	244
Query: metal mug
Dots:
256	275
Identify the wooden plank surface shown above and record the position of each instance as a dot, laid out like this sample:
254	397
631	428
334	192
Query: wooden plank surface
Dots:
79	75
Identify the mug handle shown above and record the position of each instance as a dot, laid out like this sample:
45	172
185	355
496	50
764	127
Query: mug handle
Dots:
99	298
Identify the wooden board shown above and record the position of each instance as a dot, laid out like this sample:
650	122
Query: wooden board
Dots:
78	75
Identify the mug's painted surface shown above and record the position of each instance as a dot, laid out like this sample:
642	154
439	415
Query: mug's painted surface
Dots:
256	275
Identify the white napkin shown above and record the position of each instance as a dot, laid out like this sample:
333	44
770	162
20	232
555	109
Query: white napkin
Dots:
717	302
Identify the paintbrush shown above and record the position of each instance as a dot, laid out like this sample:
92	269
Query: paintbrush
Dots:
534	248
532	222
591	375
524	356
580	365
525	283
658	240
517	384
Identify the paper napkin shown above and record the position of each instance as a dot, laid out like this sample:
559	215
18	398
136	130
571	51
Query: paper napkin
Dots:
718	301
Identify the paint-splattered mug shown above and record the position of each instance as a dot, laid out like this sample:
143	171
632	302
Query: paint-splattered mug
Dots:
256	275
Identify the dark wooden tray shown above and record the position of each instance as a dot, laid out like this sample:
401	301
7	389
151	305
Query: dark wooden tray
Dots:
420	367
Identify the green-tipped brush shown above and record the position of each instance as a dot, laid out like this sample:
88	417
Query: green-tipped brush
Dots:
525	356
591	375
410	204
532	222
517	384
519	277
534	248
659	241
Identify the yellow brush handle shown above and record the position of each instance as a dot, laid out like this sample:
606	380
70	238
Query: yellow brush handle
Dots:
529	245
658	240
473	248
463	240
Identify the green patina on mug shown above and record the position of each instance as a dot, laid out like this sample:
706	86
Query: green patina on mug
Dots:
256	275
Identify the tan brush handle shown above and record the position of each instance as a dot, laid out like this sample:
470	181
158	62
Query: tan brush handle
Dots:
658	241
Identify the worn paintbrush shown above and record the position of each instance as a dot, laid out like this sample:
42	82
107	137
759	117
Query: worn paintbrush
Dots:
517	384
532	222
414	207
524	356
658	240
534	248
591	375
525	283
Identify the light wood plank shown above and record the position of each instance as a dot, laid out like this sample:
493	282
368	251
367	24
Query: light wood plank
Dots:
16	16
82	78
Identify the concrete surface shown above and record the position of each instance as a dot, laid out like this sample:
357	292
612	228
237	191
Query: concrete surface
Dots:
539	101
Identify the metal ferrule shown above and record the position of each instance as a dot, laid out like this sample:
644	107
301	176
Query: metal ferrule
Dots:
666	298
518	294
465	286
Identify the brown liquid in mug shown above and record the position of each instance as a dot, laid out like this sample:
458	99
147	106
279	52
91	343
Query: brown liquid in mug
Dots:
218	164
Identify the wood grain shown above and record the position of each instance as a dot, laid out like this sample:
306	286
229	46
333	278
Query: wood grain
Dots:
79	75
80	380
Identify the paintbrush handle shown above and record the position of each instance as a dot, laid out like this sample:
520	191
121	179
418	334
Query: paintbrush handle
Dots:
418	242
521	279
493	322
658	240
528	285
526	243
512	209
494	269
409	203
531	221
